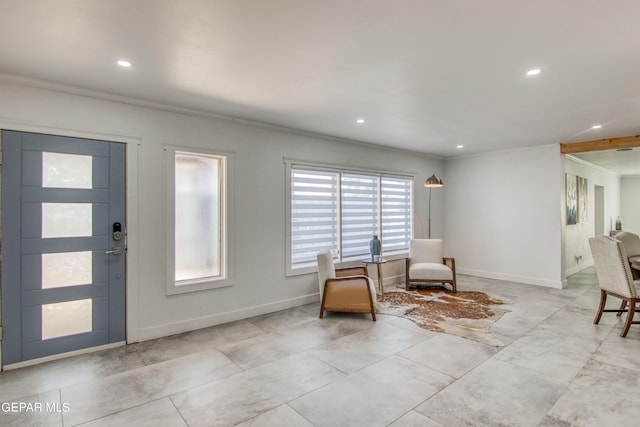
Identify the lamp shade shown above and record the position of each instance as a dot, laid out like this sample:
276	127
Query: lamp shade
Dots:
433	181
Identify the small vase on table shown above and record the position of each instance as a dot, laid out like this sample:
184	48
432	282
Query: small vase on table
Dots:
375	246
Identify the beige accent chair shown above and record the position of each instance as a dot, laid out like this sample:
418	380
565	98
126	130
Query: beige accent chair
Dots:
631	243
346	289
427	265
614	277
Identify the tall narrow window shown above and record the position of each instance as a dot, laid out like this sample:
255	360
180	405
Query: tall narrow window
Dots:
198	259
197	221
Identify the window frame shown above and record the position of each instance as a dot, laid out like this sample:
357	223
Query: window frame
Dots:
227	240
291	164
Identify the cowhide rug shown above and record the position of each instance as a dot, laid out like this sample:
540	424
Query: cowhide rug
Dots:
465	314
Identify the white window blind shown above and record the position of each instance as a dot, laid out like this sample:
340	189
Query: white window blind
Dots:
397	211
314	215
341	210
360	218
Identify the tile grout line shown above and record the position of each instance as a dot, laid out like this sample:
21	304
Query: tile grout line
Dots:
179	413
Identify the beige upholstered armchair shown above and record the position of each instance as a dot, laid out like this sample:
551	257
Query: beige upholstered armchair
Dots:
345	289
427	265
631	243
614	278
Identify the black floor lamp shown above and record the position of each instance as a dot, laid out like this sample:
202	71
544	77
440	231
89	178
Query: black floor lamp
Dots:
432	182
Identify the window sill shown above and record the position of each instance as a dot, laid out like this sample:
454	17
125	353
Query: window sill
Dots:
173	289
350	263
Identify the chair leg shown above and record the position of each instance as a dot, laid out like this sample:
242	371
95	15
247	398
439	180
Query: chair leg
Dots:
324	295
623	305
372	305
630	313
603	301
407	281
455	288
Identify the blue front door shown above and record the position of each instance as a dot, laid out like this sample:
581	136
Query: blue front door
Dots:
63	260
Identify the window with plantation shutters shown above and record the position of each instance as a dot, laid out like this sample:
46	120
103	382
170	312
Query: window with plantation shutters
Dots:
341	210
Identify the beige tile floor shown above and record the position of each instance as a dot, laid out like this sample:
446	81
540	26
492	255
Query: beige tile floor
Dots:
292	369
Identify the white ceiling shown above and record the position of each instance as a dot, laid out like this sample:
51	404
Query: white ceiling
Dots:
622	162
426	75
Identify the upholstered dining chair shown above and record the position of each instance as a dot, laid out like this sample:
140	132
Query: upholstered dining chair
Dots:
631	243
614	278
346	289
426	264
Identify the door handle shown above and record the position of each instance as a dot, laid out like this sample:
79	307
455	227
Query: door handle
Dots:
115	251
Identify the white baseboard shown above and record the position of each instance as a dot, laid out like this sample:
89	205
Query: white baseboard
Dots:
578	268
226	317
555	284
394	280
62	356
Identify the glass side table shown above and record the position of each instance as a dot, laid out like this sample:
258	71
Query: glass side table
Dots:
378	264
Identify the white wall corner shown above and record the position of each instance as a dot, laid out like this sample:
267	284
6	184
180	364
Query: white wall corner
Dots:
578	268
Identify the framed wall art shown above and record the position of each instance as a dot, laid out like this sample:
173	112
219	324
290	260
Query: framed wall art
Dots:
571	197
582	199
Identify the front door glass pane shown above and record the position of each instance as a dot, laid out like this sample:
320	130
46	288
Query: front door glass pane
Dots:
66	269
66	318
67	170
66	220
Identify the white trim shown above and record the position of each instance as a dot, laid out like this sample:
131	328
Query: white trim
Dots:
203	151
586	163
346	168
578	268
133	144
555	284
351	263
227	215
393	280
57	87
505	151
289	272
133	252
62	355
19	126
226	317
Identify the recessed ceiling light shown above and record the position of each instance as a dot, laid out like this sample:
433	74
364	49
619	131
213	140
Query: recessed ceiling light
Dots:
459	146
360	121
596	127
533	72
123	63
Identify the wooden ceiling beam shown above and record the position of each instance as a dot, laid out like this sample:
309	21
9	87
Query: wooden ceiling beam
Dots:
600	144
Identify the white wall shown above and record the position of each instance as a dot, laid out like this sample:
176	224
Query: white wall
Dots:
503	216
630	203
576	240
260	282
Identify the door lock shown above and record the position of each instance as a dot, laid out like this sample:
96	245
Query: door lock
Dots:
115	251
117	231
